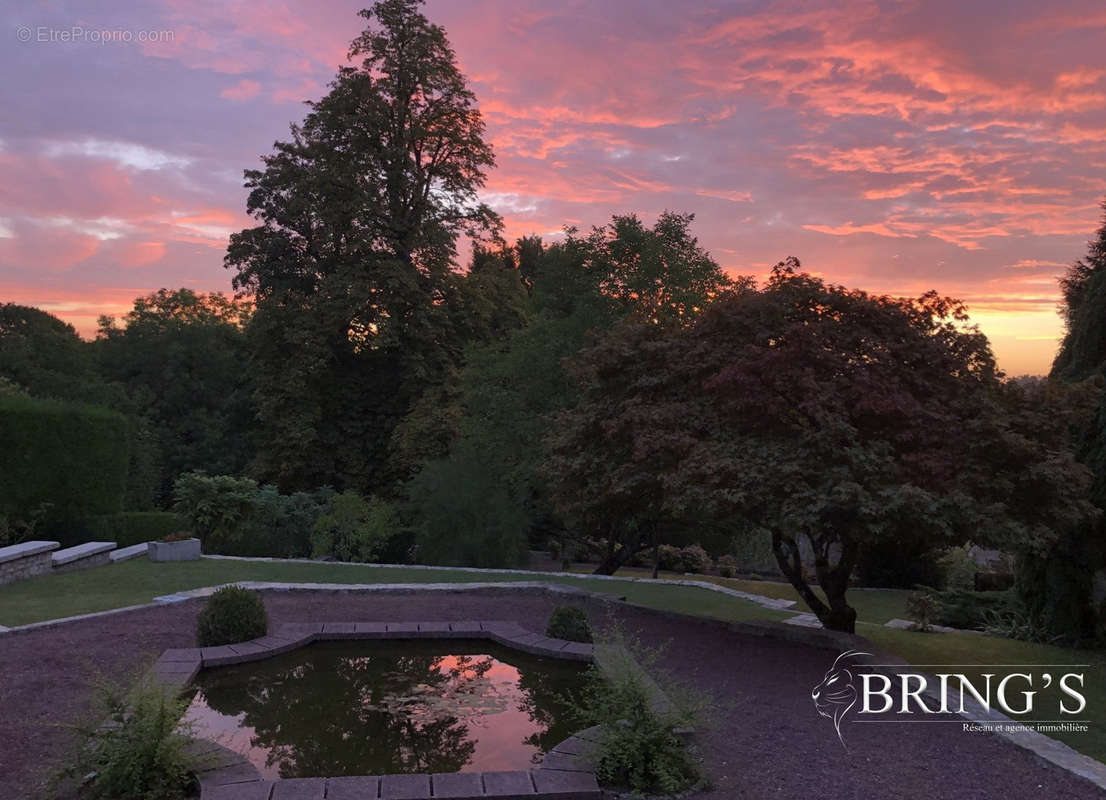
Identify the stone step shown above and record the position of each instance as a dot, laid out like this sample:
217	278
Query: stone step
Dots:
127	553
80	552
25	549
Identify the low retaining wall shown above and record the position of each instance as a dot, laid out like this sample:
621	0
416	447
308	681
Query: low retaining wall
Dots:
26	560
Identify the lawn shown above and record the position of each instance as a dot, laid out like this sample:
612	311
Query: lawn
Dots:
872	605
139	581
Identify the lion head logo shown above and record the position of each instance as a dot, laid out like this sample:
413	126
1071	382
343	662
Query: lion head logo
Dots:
836	694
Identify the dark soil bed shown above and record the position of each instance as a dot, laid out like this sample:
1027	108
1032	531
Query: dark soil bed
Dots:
765	740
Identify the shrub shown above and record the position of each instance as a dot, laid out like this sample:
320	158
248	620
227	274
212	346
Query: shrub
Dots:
141	753
134	527
468	516
727	565
231	615
640	748
669	558
71	456
962	608
217	508
569	622
695	559
353	528
898	564
922	608
957	568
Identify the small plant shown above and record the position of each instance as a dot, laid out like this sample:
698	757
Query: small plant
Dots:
668	558
695	559
727	565
354	528
133	746
176	536
569	622
232	614
640	748
922	608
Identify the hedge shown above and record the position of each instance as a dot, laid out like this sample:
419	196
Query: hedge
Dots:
134	527
72	456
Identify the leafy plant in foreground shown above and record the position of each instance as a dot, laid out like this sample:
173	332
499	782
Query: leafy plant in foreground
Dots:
134	745
641	747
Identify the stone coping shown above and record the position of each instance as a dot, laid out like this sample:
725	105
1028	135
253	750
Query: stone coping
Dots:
25	549
127	553
567	771
76	553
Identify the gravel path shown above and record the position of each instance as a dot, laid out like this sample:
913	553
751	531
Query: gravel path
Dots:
765	741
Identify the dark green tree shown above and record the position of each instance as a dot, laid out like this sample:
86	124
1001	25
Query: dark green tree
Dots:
183	360
508	389
828	417
351	264
1083	288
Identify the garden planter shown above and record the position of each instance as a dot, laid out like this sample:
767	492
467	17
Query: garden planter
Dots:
183	550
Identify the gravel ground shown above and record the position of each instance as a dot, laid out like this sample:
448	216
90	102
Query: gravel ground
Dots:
765	740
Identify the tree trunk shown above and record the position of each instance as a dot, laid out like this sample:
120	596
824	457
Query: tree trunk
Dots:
838	615
617	556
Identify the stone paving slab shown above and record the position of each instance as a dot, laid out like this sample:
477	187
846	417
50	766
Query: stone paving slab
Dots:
299	789
259	790
566	785
405	787
803	621
352	788
370	630
508	785
457	785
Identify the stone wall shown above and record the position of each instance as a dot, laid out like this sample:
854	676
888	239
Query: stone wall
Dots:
26	567
98	560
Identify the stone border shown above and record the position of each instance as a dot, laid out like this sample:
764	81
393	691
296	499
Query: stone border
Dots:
566	773
774	603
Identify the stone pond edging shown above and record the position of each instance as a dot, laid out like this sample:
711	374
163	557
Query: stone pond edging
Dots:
567	771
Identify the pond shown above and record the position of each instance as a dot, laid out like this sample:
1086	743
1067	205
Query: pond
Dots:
384	707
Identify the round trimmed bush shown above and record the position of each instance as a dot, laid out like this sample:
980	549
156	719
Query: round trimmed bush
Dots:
569	622
232	614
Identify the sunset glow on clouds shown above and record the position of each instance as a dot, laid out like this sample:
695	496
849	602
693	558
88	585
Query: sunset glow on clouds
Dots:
893	146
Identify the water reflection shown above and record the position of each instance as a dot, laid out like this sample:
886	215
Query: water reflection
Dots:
370	708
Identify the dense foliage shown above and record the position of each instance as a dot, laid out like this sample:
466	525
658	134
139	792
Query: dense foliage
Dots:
68	457
831	418
182	359
141	753
569	622
231	615
134	527
351	264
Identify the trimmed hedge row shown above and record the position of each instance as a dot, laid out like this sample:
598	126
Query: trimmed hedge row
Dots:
71	456
134	527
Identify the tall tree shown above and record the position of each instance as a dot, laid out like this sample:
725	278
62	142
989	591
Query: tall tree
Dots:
183	360
500	410
1083	349
829	418
351	264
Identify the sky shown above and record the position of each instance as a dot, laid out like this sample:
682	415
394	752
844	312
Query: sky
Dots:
893	146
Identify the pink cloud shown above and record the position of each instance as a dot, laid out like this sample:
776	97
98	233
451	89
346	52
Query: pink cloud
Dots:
243	90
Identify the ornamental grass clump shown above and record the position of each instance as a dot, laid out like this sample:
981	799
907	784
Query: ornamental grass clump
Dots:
569	622
133	746
641	747
232	614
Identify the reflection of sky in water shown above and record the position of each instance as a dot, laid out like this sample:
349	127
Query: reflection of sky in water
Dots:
483	694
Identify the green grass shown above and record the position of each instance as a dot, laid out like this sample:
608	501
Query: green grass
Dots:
872	605
139	581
